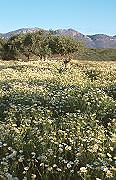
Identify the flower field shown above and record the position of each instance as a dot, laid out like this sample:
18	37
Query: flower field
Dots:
57	123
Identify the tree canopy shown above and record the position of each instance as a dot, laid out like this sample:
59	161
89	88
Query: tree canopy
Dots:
42	44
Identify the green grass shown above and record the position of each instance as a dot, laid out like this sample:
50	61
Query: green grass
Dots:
57	125
97	54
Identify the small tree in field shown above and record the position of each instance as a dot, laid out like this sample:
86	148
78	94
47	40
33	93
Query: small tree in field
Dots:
22	43
64	46
26	46
9	50
2	42
12	47
41	44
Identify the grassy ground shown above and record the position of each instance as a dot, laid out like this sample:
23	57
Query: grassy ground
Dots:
55	122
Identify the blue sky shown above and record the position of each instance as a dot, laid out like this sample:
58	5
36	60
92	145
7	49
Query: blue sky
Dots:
86	16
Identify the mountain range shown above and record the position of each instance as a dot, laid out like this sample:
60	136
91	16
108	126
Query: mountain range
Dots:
90	41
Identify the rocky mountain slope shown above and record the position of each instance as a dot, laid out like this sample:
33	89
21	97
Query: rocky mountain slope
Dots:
18	31
90	41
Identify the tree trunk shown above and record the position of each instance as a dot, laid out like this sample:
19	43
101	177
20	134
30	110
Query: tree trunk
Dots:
28	56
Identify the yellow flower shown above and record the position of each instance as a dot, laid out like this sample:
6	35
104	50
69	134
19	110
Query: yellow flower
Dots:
54	165
95	148
108	173
83	169
68	148
60	150
26	168
69	166
33	176
50	168
109	155
58	169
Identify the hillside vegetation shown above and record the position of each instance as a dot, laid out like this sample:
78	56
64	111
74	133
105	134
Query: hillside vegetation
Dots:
97	54
57	122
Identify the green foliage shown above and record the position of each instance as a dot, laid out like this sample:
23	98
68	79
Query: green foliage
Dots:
64	45
9	52
2	41
111	90
26	45
40	44
97	54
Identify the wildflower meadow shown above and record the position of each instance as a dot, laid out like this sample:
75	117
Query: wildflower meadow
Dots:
56	122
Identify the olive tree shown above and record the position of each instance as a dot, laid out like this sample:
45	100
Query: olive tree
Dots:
64	46
9	50
41	45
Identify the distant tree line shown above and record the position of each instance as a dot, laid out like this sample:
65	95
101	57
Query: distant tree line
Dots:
45	44
40	43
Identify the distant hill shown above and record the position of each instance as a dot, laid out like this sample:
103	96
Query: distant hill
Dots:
104	41
90	41
77	35
18	31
